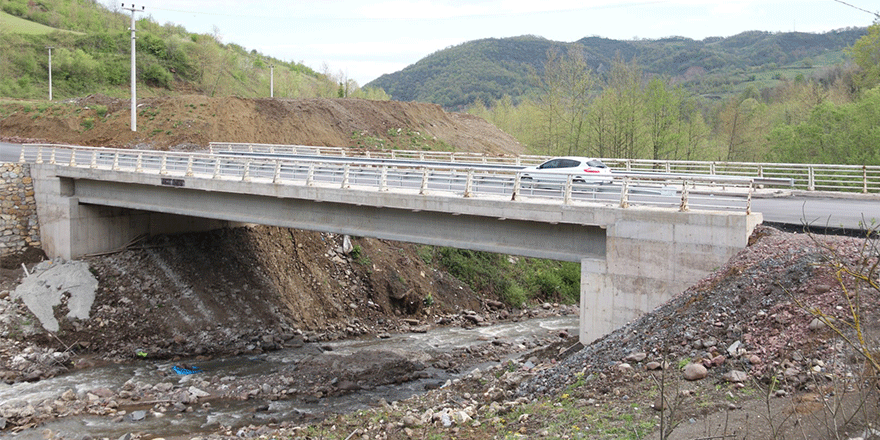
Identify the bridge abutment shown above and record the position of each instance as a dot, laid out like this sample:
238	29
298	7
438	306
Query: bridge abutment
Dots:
71	229
651	256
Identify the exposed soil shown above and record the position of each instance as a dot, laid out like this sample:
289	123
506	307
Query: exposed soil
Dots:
191	122
771	369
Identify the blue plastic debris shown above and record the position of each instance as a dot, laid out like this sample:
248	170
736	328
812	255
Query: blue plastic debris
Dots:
182	370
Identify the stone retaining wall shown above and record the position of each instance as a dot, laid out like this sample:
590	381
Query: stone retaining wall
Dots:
19	228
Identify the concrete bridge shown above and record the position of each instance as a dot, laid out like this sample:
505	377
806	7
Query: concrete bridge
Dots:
639	242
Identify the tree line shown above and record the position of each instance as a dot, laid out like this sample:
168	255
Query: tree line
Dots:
832	116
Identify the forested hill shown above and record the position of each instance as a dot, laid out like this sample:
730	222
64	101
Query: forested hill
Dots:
491	68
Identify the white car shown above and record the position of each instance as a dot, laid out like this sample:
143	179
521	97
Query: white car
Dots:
582	169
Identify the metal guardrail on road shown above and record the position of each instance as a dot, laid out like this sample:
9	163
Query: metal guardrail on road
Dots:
810	177
685	193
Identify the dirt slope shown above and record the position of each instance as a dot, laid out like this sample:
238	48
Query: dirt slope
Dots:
188	122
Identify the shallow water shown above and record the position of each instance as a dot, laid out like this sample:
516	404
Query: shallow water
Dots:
237	413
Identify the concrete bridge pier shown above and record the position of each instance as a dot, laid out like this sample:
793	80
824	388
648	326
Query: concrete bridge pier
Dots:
651	256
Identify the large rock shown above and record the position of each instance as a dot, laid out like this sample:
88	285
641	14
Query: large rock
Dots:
694	371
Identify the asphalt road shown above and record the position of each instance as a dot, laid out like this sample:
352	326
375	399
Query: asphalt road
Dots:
820	212
9	152
816	211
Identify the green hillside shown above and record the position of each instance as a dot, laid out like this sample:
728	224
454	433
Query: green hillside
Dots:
92	46
488	69
17	25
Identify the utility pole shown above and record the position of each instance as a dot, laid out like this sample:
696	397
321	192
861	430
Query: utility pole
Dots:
271	80
50	71
133	70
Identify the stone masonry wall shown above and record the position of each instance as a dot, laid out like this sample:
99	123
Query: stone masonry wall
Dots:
19	228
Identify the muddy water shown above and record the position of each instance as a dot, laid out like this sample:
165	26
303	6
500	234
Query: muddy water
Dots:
236	413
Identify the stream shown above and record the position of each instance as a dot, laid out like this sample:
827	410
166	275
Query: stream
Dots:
236	413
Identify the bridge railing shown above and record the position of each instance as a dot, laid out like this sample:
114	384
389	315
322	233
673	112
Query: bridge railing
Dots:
810	177
636	189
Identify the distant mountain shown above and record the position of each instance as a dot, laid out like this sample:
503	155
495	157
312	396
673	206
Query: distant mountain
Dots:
490	68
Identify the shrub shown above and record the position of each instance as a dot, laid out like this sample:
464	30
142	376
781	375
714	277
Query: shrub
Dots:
155	75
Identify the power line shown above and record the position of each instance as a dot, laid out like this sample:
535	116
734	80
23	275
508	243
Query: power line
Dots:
875	14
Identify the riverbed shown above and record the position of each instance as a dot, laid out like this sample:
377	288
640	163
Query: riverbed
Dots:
295	384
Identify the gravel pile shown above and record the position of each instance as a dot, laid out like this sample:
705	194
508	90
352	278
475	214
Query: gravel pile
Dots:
752	315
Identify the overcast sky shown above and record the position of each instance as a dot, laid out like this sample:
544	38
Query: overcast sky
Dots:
365	39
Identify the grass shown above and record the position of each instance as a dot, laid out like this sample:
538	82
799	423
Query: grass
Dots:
16	25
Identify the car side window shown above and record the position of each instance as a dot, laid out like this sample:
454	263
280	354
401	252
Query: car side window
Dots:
596	164
568	163
550	164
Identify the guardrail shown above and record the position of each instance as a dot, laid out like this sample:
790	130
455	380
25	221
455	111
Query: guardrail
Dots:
810	177
686	193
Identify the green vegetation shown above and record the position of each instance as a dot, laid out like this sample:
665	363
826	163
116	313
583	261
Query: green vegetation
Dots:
516	281
487	70
92	55
12	24
624	112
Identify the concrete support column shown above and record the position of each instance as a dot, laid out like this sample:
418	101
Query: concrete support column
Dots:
650	257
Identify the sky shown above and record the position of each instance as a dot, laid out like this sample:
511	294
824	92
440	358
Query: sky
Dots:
364	39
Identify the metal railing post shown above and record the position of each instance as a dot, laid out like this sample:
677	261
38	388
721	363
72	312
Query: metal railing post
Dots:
749	198
811	179
684	197
116	161
52	157
383	179
276	176
310	176
246	173
189	166
216	168
566	199
624	193
72	162
423	189
163	168
94	163
468	183
516	187
345	172
864	179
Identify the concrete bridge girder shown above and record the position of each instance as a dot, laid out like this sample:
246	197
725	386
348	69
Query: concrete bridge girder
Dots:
632	260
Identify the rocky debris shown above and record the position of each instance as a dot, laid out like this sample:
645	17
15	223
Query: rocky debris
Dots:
742	320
